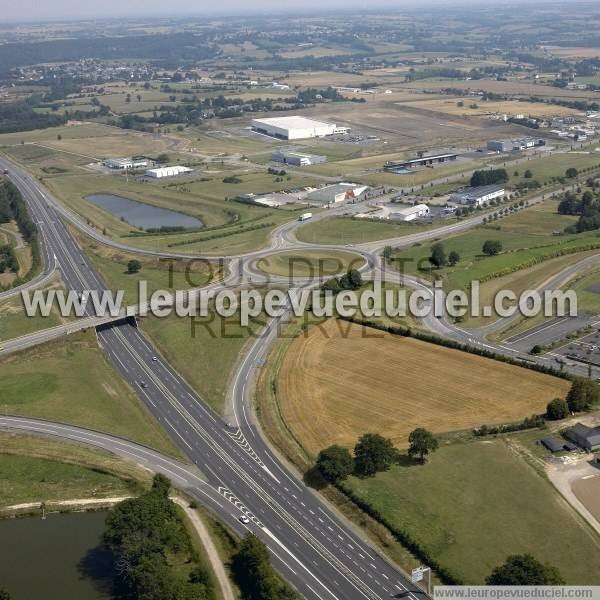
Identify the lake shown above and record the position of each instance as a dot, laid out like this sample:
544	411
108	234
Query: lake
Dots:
56	558
143	215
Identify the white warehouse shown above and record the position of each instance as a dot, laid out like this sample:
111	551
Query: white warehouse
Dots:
295	128
167	172
477	196
410	213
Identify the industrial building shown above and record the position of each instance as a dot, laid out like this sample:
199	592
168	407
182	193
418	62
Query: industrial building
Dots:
295	128
410	213
478	196
421	161
297	158
585	437
123	164
167	172
332	194
512	145
274	199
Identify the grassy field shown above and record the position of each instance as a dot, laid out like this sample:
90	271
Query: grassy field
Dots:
545	167
71	381
450	106
14	322
475	503
396	384
309	263
158	274
587	288
77	471
28	479
346	230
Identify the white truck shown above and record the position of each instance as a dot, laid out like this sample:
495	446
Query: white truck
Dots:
305	217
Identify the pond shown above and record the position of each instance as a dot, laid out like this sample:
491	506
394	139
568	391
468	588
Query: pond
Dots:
56	558
144	216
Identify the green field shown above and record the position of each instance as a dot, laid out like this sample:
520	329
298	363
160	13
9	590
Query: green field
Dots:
14	322
309	263
31	479
71	381
543	169
346	230
587	288
475	503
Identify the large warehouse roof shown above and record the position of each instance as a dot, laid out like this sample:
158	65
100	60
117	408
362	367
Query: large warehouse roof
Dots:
293	122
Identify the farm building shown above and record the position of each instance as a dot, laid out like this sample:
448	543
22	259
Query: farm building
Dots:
332	194
410	213
297	158
167	172
551	444
122	164
295	128
585	437
420	161
477	196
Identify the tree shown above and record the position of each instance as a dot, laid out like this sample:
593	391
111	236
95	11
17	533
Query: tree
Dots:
352	280
571	172
387	252
537	349
453	258
528	174
557	409
4	595
438	256
583	395
335	463
255	575
489	177
492	247
134	266
524	569
162	158
373	453
421	443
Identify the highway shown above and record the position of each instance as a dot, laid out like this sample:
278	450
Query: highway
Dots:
312	547
316	551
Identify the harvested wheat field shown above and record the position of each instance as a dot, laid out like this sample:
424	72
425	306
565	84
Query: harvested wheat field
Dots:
336	384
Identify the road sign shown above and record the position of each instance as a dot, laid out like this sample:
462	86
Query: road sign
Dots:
417	574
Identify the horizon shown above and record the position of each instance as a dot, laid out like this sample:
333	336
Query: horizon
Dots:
72	11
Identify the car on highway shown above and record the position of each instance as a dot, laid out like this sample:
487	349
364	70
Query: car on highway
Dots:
154	358
244	519
143	384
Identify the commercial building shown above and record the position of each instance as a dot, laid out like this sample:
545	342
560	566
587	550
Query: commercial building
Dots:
332	194
167	172
297	158
516	144
420	161
410	213
274	199
585	437
122	164
295	128
477	196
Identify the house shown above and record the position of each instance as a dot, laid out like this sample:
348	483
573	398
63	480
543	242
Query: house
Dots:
585	437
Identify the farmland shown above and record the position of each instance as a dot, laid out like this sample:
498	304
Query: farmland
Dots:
390	391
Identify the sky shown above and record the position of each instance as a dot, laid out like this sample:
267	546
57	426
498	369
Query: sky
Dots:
14	10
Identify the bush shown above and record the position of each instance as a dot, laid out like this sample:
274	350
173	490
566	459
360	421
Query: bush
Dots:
134	266
492	247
